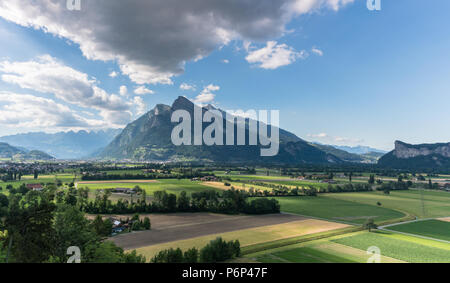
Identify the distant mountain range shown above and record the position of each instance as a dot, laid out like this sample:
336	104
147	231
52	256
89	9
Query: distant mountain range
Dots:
149	138
64	145
11	152
359	149
358	154
421	156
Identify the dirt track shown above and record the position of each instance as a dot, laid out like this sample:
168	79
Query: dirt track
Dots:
180	226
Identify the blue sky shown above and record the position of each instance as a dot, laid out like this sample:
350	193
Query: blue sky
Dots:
349	75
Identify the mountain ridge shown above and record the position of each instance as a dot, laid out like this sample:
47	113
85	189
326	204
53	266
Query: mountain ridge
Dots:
419	156
63	145
148	138
9	151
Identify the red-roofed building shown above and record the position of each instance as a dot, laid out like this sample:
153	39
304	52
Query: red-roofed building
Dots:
35	187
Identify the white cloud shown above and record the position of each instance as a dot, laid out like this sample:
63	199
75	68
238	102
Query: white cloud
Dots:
113	74
324	137
143	90
47	75
185	86
165	33
317	51
123	90
225	61
207	95
274	56
140	105
29	112
321	135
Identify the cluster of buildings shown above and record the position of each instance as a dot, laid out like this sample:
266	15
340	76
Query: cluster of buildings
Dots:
206	179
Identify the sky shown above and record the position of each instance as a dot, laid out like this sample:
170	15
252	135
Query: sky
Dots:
338	72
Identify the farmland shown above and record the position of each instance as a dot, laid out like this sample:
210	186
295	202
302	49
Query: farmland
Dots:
251	236
436	229
402	247
336	209
318	229
352	248
436	203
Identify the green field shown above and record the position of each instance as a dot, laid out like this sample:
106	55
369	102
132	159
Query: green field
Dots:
429	228
436	203
303	255
407	248
336	209
170	185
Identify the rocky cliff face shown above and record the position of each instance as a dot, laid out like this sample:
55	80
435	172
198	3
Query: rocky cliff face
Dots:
421	156
404	150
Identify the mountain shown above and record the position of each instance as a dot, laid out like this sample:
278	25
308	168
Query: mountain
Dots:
64	145
421	156
369	157
359	149
11	152
342	154
149	138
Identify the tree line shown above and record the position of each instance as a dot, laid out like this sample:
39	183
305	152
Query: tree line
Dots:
228	202
217	250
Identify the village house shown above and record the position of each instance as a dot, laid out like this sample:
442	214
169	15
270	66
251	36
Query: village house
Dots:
35	187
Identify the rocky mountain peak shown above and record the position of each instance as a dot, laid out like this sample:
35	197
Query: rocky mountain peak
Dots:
404	150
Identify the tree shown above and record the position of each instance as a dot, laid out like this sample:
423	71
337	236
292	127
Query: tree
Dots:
100	227
183	202
191	256
29	225
71	229
147	225
372	179
219	250
370	224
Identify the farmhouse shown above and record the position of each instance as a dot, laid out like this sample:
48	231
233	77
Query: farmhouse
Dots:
35	187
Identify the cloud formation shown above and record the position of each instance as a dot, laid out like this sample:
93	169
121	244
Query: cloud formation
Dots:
274	55
207	95
324	137
27	111
142	90
152	40
317	51
48	75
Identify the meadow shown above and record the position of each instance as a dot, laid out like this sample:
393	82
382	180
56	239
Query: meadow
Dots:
436	229
436	203
352	247
403	247
336	209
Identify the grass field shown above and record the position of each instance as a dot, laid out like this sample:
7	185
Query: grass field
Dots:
169	185
436	203
407	248
336	209
316	251
304	255
429	228
250	236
